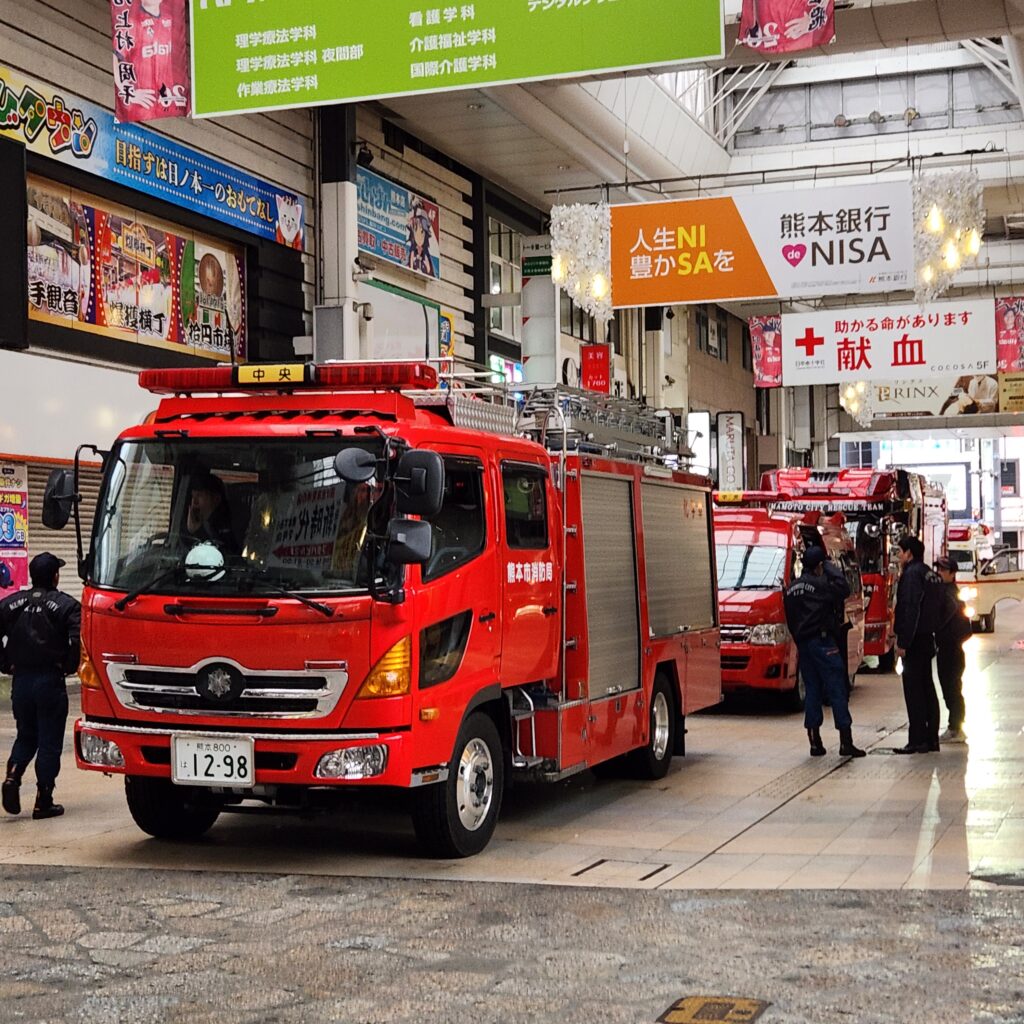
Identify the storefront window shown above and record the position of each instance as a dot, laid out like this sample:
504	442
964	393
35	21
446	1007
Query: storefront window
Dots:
506	277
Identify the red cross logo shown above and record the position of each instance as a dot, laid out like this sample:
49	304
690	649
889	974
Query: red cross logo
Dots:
810	341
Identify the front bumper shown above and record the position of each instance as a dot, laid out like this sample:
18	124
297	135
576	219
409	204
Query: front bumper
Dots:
877	641
281	759
756	667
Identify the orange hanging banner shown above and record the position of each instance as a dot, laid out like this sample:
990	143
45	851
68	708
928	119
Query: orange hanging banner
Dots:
687	251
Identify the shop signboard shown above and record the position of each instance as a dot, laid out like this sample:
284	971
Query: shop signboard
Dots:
787	26
732	463
151	66
814	242
298	53
595	368
397	225
766	350
1010	333
966	395
14	524
109	270
889	343
63	127
1011	392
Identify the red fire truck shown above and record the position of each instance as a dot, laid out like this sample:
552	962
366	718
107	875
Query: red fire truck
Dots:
759	553
880	507
303	579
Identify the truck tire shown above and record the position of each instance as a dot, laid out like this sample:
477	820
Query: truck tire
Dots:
796	698
456	818
166	811
653	759
988	622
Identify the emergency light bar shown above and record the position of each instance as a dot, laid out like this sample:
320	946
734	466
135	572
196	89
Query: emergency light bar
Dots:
290	376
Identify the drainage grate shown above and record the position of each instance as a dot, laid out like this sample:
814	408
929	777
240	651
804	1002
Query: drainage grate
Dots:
727	1009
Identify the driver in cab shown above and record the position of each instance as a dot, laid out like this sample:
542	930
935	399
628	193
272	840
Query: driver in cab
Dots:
208	517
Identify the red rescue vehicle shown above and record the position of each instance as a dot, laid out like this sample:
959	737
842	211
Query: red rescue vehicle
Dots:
304	579
880	507
759	553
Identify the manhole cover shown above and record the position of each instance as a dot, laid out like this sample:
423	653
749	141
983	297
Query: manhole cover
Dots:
730	1009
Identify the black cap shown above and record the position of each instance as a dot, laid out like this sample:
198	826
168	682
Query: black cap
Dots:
813	557
44	568
945	564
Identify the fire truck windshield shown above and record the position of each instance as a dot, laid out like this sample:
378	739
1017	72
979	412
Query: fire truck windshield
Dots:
750	566
274	510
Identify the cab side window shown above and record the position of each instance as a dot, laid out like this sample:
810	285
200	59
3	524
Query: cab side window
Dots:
526	506
460	527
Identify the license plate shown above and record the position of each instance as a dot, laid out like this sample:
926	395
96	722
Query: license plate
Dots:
212	761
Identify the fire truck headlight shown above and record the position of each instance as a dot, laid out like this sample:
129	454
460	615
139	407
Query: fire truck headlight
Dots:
392	675
769	633
96	750
968	593
353	763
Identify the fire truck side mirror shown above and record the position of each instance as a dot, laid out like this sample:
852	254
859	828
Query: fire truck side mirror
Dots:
419	483
355	465
409	541
59	499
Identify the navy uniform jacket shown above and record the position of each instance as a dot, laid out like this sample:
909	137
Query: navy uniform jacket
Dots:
39	628
919	600
814	604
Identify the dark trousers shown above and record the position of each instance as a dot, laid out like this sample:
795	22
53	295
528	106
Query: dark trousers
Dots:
951	662
40	701
919	693
824	672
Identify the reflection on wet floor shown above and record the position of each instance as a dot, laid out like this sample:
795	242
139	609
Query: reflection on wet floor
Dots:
746	808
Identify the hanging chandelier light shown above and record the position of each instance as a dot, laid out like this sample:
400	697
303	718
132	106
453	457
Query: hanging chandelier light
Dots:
949	218
581	255
856	401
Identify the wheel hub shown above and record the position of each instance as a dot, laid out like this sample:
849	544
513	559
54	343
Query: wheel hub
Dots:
475	786
659	726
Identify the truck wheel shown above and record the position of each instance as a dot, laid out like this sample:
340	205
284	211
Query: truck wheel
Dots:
796	698
988	622
456	818
887	661
652	760
167	811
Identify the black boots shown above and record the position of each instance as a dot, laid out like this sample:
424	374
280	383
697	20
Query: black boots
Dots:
12	788
45	807
846	747
817	747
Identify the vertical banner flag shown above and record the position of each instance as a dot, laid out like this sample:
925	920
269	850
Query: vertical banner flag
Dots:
786	26
732	464
1010	334
151	65
766	349
13	524
595	368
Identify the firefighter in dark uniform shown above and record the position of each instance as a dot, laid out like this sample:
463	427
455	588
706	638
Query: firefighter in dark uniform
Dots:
39	631
814	614
918	598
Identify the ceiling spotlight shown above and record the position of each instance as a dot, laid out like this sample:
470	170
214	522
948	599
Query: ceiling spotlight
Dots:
365	156
875	117
840	121
910	115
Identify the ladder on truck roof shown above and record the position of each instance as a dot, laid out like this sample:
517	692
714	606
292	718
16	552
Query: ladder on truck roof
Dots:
559	417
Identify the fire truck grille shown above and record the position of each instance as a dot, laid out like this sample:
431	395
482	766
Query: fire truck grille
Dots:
220	687
266	760
735	634
734	662
186	701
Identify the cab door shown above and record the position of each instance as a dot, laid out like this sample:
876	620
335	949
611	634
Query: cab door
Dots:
530	567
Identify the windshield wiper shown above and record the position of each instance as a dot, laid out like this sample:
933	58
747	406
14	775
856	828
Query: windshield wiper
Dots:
257	579
148	585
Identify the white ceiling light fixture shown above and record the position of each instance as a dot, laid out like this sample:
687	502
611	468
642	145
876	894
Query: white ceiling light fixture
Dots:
949	218
581	255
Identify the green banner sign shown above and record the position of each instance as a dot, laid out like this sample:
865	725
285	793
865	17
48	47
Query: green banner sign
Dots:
272	54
